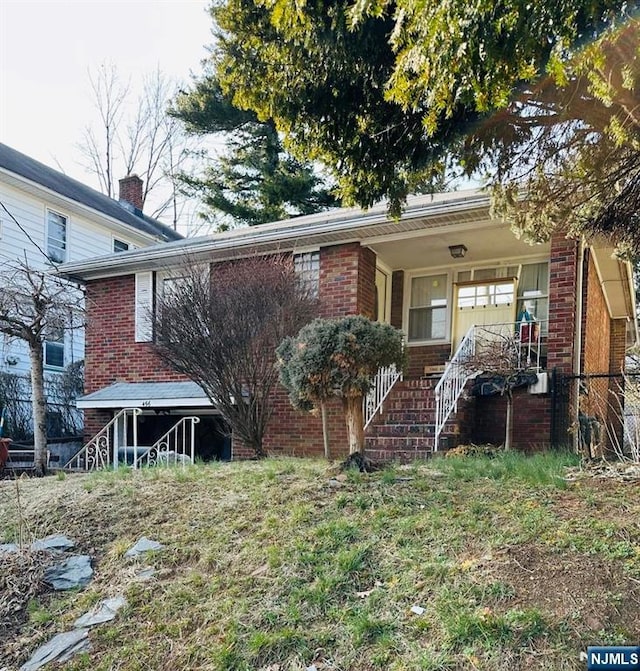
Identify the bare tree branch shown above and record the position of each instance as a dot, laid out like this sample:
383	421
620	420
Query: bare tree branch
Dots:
222	331
35	306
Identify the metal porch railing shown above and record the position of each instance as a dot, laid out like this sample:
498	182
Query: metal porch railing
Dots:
383	383
522	339
176	446
103	449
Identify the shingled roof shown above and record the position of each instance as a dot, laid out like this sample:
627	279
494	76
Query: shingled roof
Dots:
20	164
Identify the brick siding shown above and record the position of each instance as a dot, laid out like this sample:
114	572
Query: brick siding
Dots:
112	355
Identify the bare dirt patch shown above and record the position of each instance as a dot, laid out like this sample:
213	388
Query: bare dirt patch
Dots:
571	586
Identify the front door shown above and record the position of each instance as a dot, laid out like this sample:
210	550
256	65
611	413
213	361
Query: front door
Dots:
482	303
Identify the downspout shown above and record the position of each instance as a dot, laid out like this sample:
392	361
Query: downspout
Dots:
577	345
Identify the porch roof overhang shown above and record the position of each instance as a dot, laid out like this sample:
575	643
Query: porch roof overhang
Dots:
616	280
463	209
146	395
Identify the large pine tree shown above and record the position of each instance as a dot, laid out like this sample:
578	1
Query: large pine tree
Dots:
254	180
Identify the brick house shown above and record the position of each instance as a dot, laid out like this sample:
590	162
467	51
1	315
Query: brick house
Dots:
441	272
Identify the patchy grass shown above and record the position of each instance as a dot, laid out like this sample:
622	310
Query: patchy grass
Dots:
270	566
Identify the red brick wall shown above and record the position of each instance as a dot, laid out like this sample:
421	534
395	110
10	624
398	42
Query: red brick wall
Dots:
111	353
562	301
426	355
347	280
531	420
347	287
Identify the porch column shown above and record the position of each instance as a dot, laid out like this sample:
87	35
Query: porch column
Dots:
563	280
347	281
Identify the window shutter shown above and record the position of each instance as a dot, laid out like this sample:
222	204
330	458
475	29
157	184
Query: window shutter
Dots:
144	307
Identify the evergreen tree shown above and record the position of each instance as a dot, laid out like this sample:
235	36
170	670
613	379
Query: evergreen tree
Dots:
389	96
255	181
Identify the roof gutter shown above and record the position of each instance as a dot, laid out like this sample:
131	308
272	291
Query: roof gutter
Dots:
284	233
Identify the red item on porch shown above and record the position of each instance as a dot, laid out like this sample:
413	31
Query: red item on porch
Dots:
529	332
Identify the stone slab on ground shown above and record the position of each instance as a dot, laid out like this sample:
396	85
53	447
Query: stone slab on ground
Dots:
55	542
143	545
74	572
59	649
103	611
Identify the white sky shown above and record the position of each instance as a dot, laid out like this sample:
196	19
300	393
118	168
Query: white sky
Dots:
47	47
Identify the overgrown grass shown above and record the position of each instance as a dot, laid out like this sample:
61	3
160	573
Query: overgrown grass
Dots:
268	565
539	469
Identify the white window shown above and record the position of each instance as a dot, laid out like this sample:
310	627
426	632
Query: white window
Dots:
428	308
533	291
120	245
54	350
56	237
144	307
307	268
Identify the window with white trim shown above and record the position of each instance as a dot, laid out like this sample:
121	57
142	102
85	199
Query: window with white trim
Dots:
533	291
120	245
54	349
428	308
307	268
56	237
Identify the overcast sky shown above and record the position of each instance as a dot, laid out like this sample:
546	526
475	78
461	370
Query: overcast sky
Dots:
47	47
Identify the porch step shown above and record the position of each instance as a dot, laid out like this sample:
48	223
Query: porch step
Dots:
409	430
401	443
405	428
403	456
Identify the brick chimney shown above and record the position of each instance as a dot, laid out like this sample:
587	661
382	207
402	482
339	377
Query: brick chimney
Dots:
131	191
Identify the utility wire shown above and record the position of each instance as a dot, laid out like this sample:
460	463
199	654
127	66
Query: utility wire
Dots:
33	242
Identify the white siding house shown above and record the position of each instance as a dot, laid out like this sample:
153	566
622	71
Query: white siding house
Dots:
47	218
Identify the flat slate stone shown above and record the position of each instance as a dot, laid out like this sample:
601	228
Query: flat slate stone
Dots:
59	649
74	572
55	542
142	546
7	548
104	611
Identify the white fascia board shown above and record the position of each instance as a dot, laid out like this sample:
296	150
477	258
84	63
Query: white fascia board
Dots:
196	402
288	234
98	218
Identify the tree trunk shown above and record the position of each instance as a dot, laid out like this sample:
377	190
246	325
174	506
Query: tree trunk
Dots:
355	424
325	430
39	408
508	431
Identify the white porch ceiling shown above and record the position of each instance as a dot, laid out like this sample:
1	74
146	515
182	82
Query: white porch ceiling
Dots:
486	242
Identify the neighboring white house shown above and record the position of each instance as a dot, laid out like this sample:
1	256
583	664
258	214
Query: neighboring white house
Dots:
48	218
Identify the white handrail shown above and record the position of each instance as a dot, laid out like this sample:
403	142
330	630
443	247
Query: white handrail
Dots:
527	340
102	449
451	384
178	441
383	382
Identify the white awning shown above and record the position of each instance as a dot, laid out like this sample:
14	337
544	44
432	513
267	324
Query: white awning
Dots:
147	395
